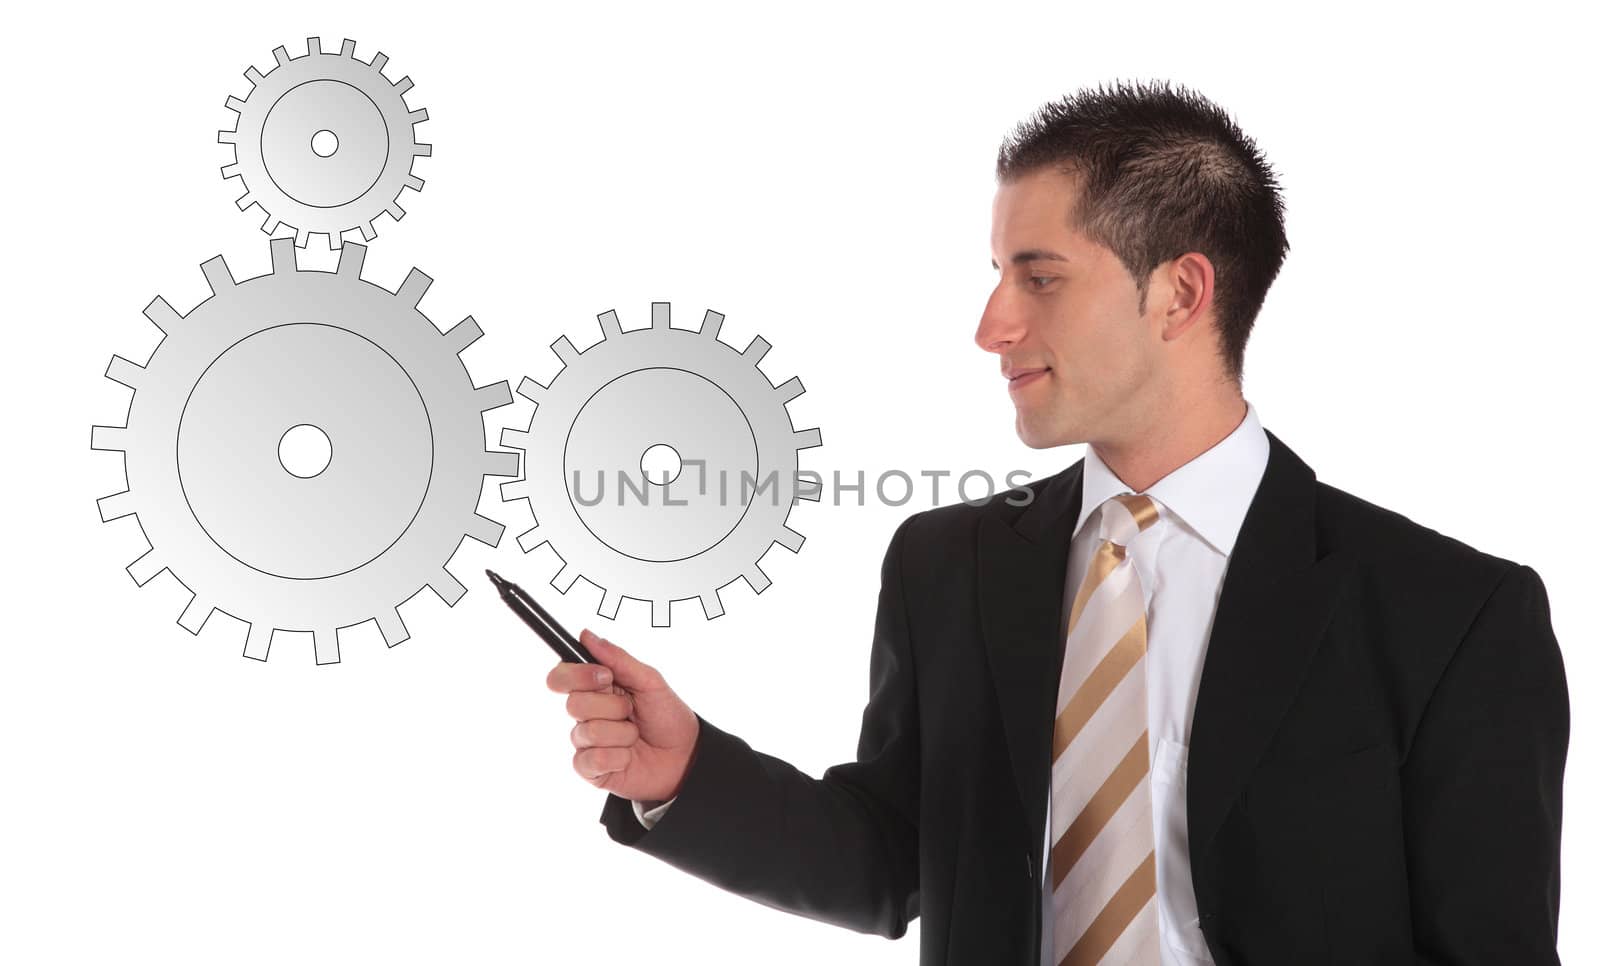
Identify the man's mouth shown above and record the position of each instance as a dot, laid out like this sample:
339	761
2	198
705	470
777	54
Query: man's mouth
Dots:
1022	377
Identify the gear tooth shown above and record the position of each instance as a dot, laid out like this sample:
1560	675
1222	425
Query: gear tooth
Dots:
393	628
422	151
660	315
711	324
513	491
403	85
564	577
335	240
711	603
419	115
610	325
232	171
281	55
283	258
257	641
228	137
269	225
234	104
109	439
528	539
485	530
756	578
609	602
395	211
447	587
325	642
492	396
116	506
807	438
413	288
252	75
367	234
808	489
302	238
511	436
348	49
216	275
791	539
146	567
791	388
378	60
244	201
163	316
564	351
351	258
756	350
528	389
413	182
660	613
195	615
463	334
496	463
314	46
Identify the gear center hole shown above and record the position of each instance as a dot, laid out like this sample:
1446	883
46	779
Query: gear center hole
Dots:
660	464
324	143
305	451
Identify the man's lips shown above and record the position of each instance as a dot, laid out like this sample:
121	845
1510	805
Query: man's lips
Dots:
1022	377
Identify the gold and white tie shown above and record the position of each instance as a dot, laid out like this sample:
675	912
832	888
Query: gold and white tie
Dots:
1102	830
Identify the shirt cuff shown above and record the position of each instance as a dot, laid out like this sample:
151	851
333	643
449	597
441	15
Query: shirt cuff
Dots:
649	813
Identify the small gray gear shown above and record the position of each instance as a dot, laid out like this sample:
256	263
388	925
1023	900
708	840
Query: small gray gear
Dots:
630	394
308	551
324	143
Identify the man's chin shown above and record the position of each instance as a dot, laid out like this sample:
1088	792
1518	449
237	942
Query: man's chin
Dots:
1035	436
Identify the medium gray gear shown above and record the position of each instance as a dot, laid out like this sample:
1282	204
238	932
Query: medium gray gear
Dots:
324	143
341	545
628	394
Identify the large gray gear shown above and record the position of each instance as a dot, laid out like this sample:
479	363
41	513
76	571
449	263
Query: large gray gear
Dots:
281	350
661	386
295	183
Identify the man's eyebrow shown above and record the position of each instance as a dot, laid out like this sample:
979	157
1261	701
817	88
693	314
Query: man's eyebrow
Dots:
1034	255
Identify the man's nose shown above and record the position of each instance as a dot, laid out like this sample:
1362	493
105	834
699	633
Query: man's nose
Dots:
1000	326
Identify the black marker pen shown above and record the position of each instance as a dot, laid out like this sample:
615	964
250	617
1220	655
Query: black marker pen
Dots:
560	640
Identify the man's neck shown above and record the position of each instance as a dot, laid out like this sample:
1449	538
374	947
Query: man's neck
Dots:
1183	433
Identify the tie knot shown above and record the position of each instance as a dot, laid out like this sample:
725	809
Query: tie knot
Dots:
1124	515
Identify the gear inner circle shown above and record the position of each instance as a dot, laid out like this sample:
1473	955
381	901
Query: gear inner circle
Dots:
292	161
697	508
265	516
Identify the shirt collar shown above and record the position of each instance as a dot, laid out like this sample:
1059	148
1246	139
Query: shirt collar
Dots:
1211	492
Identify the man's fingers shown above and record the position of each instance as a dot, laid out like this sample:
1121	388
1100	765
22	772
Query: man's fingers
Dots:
594	763
601	733
631	673
584	705
569	676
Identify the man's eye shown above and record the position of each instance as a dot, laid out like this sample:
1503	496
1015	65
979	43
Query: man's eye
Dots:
1040	281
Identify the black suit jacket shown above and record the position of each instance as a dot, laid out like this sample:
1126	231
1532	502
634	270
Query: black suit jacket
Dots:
1375	759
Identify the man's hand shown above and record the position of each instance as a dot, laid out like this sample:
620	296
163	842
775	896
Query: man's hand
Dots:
635	737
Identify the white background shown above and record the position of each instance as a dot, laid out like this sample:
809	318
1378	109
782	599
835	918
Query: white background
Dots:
822	175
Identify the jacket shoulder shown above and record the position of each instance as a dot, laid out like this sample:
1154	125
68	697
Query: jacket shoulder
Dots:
1384	538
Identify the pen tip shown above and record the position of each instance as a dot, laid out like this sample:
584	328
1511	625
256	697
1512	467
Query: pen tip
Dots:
494	576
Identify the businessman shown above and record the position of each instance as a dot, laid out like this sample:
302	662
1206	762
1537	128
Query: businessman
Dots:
1178	703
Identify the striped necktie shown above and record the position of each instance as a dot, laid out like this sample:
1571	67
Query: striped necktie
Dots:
1102	860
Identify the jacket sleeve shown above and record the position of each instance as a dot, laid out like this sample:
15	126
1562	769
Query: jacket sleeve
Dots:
842	849
1482	789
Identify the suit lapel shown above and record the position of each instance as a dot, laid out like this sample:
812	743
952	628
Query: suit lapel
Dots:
1275	600
1277	597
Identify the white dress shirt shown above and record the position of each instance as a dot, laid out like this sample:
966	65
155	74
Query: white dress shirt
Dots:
1181	560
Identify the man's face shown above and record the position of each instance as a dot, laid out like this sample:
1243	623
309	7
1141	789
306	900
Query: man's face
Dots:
1064	320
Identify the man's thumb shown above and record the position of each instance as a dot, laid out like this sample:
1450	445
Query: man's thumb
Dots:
628	670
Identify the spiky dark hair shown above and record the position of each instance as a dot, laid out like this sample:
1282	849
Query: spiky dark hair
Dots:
1163	171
